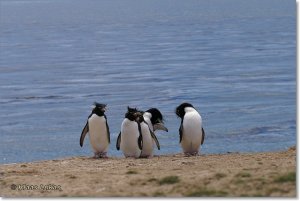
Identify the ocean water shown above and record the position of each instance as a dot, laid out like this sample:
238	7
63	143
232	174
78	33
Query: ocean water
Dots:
234	60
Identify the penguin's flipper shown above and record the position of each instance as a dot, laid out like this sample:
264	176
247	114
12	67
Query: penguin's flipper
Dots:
140	139
83	133
203	136
160	126
180	131
155	139
118	141
107	129
140	142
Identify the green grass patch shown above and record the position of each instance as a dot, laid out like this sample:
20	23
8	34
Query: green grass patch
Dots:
244	195
131	172
239	181
243	174
71	176
290	177
204	192
273	190
143	194
220	175
158	194
262	181
257	195
152	180
169	180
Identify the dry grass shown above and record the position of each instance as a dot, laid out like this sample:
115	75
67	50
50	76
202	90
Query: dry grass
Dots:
228	175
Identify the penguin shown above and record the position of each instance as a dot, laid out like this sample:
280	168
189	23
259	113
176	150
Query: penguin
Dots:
191	132
98	130
152	120
130	139
149	138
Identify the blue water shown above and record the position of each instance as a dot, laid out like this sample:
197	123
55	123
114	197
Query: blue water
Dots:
234	60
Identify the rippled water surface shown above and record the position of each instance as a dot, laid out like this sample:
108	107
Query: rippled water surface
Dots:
234	60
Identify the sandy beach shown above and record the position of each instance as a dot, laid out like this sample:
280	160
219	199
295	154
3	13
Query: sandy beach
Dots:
229	175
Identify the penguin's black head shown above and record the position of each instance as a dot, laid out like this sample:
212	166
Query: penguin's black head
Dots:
156	116
99	108
131	109
99	105
180	109
131	113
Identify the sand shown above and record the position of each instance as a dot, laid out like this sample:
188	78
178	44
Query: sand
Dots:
226	175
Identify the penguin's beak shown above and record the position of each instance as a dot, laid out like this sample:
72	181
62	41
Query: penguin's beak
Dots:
160	126
105	109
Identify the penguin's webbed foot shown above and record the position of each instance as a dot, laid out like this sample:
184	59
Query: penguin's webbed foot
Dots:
132	157
100	155
188	154
148	157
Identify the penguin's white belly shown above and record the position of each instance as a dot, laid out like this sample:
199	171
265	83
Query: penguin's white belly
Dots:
148	142
149	123
192	132
98	134
129	139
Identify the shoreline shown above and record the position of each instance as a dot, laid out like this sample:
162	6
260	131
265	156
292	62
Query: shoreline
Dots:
160	155
227	175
